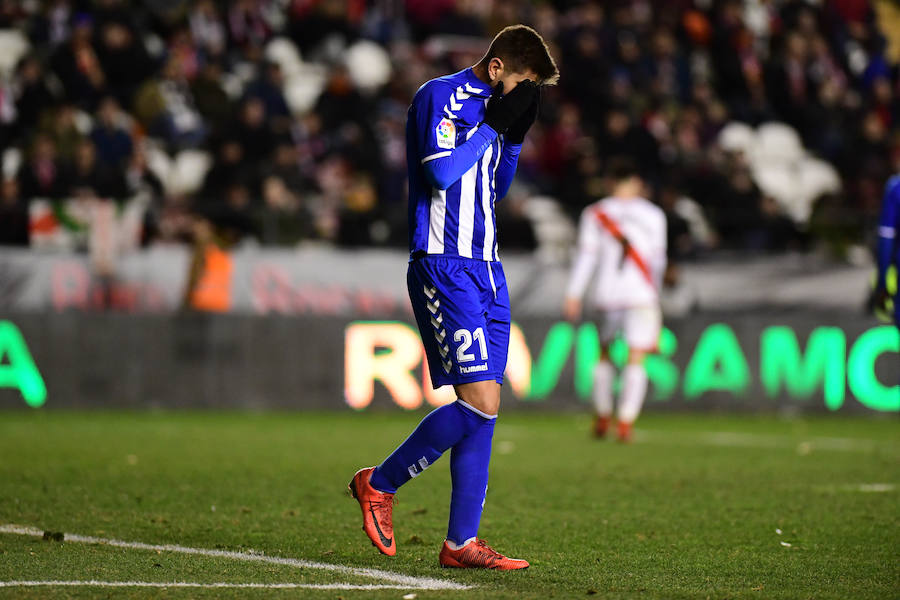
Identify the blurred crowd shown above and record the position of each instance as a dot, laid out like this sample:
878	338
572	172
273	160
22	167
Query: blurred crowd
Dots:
283	120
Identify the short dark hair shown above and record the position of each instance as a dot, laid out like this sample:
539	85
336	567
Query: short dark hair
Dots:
521	48
621	169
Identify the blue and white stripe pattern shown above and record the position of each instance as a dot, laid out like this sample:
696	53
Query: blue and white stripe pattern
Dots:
418	467
461	218
433	304
458	220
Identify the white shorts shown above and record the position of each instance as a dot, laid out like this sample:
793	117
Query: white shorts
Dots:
640	326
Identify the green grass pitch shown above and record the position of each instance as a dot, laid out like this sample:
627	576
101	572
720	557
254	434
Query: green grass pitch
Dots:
688	511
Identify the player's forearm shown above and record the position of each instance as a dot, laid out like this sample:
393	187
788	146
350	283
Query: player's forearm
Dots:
506	168
445	169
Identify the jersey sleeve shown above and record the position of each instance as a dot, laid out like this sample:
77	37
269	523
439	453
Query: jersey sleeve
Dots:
506	168
658	259
888	224
443	161
586	254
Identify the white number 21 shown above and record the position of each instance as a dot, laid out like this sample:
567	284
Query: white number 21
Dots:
463	335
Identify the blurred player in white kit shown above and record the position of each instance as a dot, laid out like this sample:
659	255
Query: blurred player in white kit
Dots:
623	239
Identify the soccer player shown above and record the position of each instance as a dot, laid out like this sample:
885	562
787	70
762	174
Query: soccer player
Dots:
623	238
888	252
463	136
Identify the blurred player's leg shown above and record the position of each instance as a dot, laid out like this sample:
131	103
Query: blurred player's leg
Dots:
604	375
634	388
610	324
641	330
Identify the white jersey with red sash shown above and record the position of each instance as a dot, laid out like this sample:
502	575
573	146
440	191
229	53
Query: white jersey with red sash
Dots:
624	241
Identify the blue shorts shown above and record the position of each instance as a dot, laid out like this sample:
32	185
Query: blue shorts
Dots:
462	309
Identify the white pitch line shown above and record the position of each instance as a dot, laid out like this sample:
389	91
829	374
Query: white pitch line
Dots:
757	440
865	488
406	581
188	584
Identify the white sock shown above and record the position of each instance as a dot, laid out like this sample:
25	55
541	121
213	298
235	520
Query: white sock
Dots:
453	545
634	388
604	374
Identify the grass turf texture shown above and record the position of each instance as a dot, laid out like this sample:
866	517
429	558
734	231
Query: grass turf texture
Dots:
679	514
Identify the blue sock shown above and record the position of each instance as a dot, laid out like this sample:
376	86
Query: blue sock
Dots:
469	471
440	430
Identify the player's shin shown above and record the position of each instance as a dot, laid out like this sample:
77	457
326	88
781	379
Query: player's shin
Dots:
439	430
634	388
469	462
604	374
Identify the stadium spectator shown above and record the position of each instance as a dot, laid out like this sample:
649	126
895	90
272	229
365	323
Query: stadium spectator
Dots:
268	88
13	215
140	180
622	138
65	126
122	57
76	65
111	139
284	166
228	165
210	97
42	175
32	94
286	219
166	108
248	23
208	30
253	131
653	82
93	179
52	25
8	117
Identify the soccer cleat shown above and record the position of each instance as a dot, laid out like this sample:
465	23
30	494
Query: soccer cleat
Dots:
624	432
478	555
377	509
601	426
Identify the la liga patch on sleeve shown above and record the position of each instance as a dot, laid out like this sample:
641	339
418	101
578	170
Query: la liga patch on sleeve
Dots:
445	134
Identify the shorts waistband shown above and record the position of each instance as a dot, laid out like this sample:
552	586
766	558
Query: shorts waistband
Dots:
419	254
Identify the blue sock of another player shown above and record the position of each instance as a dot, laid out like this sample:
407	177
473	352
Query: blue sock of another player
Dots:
437	432
469	471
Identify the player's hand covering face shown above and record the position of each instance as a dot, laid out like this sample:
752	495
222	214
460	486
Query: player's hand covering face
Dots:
516	132
504	109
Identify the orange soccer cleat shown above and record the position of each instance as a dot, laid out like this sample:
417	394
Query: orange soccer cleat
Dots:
377	509
601	426
624	432
478	555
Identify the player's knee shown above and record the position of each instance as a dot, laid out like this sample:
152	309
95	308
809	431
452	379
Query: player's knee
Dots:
481	395
636	357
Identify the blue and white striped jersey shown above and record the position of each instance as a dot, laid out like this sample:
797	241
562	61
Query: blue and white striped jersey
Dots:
458	168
